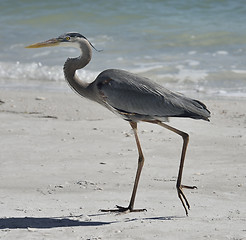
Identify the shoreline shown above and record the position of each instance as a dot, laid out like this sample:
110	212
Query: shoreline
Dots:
64	157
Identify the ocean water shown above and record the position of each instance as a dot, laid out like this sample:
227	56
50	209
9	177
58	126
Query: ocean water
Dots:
196	46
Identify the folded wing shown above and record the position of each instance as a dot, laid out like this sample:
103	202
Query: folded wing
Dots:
130	93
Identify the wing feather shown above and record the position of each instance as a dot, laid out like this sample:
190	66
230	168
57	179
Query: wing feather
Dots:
131	93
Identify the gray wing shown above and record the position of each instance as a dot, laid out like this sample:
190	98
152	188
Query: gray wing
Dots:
132	94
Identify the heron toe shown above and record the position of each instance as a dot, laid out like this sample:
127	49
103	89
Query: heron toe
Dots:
120	209
189	187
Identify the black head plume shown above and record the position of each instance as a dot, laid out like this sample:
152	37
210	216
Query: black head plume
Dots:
76	35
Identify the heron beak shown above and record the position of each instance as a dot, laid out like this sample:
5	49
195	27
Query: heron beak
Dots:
49	43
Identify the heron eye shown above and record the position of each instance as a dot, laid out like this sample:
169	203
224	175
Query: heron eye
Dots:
67	38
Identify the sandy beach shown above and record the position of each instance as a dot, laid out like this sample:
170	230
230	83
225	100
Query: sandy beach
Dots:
62	158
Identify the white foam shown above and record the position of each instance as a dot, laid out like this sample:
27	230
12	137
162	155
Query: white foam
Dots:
192	62
184	77
193	75
220	53
36	71
239	71
192	52
143	69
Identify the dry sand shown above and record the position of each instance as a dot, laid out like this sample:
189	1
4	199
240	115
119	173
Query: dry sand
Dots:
63	158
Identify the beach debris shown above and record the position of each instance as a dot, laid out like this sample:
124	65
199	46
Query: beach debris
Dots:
87	184
164	180
127	134
34	112
40	98
49	116
1	102
19	112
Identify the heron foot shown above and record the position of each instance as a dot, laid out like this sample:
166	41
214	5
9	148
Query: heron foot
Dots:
183	198
120	209
189	187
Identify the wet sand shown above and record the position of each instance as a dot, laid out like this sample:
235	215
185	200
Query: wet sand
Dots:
62	158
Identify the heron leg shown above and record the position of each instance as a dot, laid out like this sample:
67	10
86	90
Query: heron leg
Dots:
179	186
138	173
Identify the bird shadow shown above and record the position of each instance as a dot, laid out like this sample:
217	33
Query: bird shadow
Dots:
60	222
45	222
168	218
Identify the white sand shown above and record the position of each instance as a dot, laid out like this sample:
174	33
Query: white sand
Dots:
62	158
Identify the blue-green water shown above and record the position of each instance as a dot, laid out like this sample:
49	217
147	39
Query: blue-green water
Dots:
193	45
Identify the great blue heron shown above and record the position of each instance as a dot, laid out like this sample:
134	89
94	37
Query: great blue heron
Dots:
132	97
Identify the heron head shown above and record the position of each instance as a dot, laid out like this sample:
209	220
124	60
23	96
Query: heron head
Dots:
70	39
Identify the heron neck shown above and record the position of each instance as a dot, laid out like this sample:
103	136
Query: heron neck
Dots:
73	64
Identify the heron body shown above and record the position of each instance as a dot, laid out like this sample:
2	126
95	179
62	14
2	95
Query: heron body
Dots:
137	98
132	97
